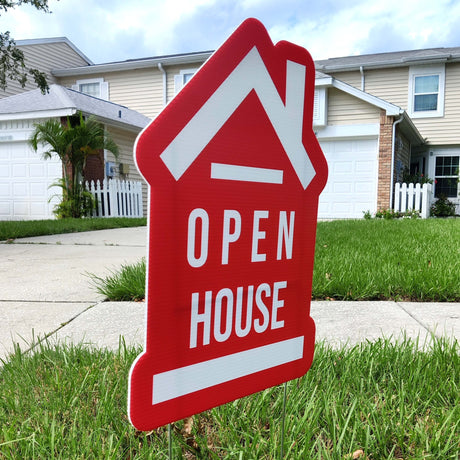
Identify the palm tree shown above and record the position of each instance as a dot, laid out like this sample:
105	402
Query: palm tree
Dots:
73	143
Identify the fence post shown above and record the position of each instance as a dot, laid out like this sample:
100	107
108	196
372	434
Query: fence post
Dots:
418	197
397	197
113	192
140	207
426	200
410	197
403	198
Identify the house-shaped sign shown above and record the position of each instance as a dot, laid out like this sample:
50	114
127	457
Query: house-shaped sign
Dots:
235	172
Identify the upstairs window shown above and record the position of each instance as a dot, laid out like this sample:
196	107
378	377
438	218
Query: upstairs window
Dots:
446	176
181	79
95	87
91	89
426	91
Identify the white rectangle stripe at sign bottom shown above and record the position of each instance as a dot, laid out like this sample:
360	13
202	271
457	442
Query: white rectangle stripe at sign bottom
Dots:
184	380
246	173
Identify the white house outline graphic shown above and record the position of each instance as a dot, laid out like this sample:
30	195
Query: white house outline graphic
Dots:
287	120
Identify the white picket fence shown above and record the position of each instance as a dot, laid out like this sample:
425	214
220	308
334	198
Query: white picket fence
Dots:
416	197
116	198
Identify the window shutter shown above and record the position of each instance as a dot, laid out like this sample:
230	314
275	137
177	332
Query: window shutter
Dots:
178	83
316	106
104	90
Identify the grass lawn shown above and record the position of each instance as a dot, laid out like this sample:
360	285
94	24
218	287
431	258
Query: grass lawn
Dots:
388	259
379	399
405	259
10	230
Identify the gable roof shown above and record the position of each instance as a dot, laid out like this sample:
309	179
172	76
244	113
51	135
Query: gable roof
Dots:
61	102
44	41
392	59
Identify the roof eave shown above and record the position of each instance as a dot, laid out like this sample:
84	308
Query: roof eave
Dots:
323	82
39	114
134	64
387	64
411	131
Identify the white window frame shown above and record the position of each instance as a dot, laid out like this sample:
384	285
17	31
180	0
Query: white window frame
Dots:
103	86
179	79
320	107
432	168
425	71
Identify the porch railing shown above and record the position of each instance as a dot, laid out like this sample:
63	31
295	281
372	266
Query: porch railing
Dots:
409	197
116	198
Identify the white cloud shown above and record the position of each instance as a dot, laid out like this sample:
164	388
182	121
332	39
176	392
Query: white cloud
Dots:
108	30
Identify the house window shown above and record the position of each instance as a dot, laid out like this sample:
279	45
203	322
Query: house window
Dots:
91	89
95	87
181	79
446	176
426	91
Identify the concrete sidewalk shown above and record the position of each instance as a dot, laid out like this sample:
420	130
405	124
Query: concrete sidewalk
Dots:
45	293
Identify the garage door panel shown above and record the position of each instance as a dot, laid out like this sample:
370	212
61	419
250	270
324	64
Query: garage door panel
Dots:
364	166
25	180
364	188
342	167
351	187
342	187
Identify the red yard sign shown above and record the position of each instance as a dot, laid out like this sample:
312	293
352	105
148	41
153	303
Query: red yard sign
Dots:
235	172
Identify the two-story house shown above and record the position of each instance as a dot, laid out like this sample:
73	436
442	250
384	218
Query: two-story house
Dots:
375	116
426	84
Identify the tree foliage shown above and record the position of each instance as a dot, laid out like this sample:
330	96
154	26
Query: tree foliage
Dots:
12	61
73	143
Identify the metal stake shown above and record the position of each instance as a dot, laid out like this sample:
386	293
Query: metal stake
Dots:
283	416
169	442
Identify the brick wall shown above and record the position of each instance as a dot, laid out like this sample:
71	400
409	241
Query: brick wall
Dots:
385	146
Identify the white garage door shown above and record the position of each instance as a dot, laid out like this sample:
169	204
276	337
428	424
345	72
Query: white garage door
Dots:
25	179
351	187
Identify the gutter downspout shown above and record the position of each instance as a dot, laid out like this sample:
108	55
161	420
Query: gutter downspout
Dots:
363	81
393	154
165	87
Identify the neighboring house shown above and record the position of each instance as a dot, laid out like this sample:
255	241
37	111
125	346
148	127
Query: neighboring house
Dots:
375	116
426	84
26	179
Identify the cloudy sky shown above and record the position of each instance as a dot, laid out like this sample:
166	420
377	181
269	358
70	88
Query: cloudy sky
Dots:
115	30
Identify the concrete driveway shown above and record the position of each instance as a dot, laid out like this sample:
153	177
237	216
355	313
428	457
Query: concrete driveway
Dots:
45	283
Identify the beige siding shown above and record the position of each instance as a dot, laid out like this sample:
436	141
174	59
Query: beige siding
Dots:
174	70
391	85
45	57
125	141
140	90
344	109
351	78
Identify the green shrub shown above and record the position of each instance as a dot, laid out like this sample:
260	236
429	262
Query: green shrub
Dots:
389	214
442	207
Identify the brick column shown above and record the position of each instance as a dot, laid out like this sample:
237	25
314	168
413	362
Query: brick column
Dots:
385	154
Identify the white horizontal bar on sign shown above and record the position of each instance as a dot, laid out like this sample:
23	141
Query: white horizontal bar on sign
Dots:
184	380
246	173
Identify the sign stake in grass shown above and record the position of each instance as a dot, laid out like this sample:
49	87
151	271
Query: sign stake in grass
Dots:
169	442
283	417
